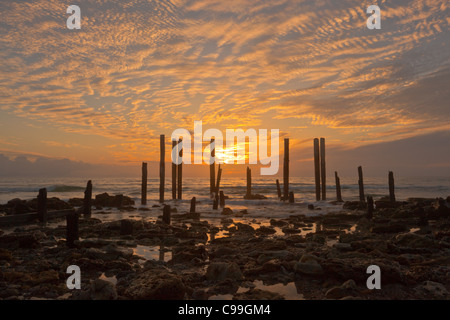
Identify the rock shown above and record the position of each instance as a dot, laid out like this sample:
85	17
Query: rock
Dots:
152	285
227	211
436	289
105	200
354	205
283	255
5	255
8	292
343	246
255	197
49	276
265	230
278	223
28	241
257	294
103	290
222	270
126	227
388	228
242	227
310	207
347	289
308	265
76	202
413	240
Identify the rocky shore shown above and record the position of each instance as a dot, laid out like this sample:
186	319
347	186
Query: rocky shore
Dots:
231	257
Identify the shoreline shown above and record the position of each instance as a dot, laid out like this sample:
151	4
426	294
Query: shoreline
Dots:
227	257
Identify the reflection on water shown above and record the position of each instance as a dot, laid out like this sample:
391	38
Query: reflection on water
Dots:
288	291
153	253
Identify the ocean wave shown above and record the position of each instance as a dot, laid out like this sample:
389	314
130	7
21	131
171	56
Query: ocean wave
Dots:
65	188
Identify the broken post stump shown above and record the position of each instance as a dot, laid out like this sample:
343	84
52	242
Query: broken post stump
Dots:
278	189
71	229
248	194
338	187
174	171
370	207
291	197
391	187
317	168
144	184
42	205
87	202
215	203
162	174
286	170
212	170
193	201
166	214
323	174
361	185
222	199
219	176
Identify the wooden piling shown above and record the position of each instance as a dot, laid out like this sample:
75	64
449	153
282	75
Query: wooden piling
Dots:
215	203
222	199
71	229
361	185
193	202
180	170
370	207
391	187
291	197
144	184
317	168
166	214
286	170
42	205
278	189
248	194
174	171
162	173
87	202
323	174
219	176
212	171
338	187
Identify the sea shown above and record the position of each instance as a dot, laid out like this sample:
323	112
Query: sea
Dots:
234	188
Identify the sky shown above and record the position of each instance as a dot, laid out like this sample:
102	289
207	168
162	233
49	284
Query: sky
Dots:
137	69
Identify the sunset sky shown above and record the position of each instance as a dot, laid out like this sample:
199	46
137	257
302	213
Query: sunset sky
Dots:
138	69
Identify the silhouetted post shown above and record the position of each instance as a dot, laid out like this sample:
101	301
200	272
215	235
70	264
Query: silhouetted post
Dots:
391	187
192	209
291	197
180	170
278	189
222	199
212	171
144	184
162	173
286	170
219	175
338	187
87	203
215	203
317	168
361	185
369	207
166	214
71	229
174	172
323	173
248	195
42	205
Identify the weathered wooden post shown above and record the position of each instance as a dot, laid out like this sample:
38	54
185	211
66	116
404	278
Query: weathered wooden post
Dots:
212	170
162	173
174	171
144	184
248	194
391	187
278	189
166	214
291	197
192	209
370	207
42	205
180	170
317	168
361	185
219	176
338	187
286	170
215	203
71	229
323	174
87	202
222	199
